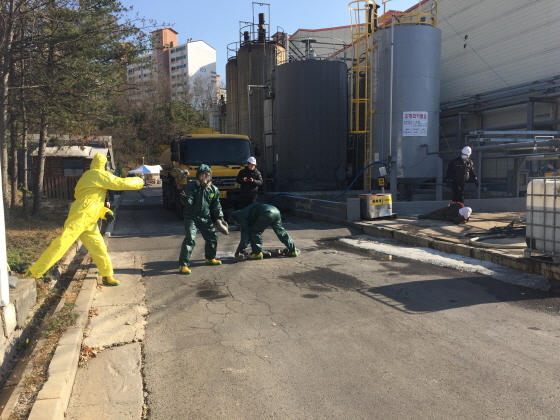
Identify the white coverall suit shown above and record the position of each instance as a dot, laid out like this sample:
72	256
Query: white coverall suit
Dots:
82	218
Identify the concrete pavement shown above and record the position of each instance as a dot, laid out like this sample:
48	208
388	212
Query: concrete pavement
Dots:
111	387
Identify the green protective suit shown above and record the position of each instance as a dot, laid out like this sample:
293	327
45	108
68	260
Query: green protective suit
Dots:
254	219
202	206
82	219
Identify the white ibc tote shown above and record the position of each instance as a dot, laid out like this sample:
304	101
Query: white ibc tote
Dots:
543	217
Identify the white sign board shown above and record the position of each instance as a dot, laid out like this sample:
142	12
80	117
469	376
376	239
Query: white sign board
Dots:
415	123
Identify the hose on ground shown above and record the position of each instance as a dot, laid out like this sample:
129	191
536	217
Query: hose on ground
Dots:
475	241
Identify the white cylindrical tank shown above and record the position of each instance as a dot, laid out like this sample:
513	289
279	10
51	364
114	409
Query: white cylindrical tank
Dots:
414	62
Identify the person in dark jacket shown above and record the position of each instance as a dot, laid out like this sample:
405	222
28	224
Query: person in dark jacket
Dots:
454	212
250	180
252	221
202	205
459	171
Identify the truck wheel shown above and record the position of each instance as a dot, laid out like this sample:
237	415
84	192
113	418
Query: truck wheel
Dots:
167	204
165	199
179	209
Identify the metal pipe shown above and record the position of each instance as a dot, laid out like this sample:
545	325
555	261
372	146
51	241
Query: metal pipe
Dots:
393	167
249	104
516	146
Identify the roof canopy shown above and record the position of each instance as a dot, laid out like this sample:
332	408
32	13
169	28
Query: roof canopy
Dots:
146	169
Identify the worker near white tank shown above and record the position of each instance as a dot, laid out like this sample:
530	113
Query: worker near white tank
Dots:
460	171
82	219
249	180
457	213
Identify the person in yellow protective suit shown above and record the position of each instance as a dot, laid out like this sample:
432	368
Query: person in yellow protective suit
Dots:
82	220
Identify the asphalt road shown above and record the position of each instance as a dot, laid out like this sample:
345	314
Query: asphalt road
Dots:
335	333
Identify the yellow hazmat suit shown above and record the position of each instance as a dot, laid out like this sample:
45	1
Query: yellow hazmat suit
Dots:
82	218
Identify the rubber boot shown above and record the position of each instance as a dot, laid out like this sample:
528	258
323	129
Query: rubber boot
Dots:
293	254
184	270
212	262
110	281
258	256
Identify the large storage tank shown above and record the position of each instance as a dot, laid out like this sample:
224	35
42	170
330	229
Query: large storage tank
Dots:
310	121
255	62
255	59
232	117
415	98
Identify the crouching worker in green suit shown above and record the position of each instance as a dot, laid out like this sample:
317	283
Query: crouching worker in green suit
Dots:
252	221
202	205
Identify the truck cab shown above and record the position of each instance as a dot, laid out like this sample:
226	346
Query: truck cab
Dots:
226	154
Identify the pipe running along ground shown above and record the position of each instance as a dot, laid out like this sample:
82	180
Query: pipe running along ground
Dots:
475	242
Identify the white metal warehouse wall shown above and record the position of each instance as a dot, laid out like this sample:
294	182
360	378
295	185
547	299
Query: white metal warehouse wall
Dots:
492	44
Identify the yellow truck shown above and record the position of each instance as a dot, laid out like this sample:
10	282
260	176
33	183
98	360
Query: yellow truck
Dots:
226	154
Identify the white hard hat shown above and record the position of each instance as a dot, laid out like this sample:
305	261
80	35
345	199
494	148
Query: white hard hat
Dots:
252	160
466	151
465	212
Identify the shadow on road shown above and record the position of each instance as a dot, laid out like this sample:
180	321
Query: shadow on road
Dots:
440	295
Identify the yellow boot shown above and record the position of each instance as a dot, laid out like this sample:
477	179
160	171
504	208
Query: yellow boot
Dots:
184	270
258	256
110	281
212	262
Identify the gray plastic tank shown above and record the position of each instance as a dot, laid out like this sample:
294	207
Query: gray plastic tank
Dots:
232	117
311	114
416	94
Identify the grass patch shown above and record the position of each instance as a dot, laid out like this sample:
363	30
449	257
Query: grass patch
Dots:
27	237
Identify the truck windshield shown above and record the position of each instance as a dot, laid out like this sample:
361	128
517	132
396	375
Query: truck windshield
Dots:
215	151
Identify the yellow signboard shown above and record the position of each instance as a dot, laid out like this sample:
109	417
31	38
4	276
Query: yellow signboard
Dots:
380	199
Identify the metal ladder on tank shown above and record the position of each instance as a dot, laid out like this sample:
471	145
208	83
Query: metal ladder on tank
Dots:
363	15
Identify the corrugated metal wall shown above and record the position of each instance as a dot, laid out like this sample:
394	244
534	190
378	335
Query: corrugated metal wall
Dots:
491	44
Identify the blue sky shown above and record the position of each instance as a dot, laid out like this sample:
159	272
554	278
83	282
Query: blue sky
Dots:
217	22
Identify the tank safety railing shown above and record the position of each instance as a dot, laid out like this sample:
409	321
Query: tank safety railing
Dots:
315	48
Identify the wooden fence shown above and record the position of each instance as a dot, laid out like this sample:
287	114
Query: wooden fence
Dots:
60	186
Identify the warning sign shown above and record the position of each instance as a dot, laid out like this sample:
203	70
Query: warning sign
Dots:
415	123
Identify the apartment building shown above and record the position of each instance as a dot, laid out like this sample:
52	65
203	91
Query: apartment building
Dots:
189	68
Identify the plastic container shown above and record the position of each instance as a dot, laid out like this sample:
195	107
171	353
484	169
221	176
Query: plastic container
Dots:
373	206
543	215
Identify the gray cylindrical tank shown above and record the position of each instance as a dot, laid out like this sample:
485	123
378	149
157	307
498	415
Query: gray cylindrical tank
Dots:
416	95
232	97
255	62
310	121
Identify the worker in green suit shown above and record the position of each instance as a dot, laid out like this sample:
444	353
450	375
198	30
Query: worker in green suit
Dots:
252	221
84	214
202	207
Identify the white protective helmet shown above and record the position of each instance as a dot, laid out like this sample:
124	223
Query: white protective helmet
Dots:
465	212
252	160
466	151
